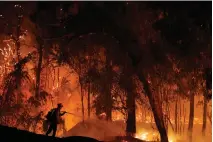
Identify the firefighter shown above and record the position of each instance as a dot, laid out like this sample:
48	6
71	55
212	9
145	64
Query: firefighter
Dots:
53	117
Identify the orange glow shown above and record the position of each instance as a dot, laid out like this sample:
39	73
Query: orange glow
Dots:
69	94
151	136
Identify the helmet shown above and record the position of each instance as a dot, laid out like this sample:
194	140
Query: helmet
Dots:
60	105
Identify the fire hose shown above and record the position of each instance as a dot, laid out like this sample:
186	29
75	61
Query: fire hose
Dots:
71	113
45	123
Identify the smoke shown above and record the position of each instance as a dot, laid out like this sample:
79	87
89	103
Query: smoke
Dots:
99	129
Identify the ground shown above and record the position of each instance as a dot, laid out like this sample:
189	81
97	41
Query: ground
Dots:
9	134
14	135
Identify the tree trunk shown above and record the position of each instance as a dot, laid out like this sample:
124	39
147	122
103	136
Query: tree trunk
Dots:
18	49
184	118
208	86
88	101
131	118
82	102
108	105
58	78
208	79
18	44
191	116
176	115
156	112
130	101
204	113
53	76
167	111
38	71
210	117
17	39
180	117
46	79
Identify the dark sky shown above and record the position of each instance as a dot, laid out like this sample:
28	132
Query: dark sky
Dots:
200	10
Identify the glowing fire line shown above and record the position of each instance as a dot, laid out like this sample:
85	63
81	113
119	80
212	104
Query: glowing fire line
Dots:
146	136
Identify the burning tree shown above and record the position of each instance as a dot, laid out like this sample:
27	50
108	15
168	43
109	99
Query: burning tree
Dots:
16	99
154	52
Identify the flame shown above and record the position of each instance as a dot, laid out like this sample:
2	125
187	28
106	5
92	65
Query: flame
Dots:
8	54
149	136
143	136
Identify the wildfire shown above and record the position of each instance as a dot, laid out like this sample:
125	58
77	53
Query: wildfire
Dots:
146	136
8	54
143	136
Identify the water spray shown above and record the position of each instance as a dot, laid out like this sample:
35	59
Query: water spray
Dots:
71	113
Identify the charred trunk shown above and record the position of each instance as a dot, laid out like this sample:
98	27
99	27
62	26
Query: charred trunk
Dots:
108	105
208	86
191	116
130	101
176	115
210	117
38	71
180	117
131	119
184	117
158	117
88	101
82	102
204	113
